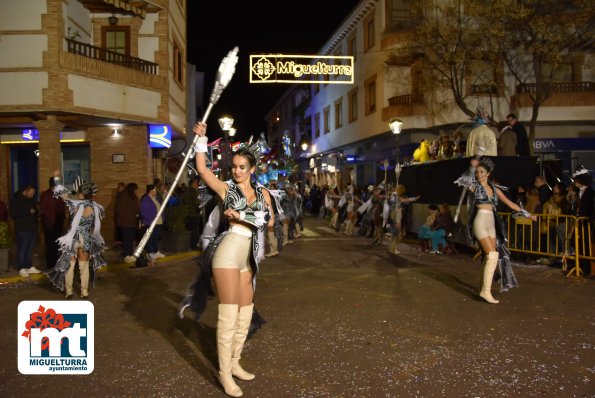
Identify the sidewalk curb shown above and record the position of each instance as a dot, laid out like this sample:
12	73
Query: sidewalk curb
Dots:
109	267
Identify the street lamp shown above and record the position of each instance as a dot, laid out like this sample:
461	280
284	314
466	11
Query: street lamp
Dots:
395	126
226	122
304	145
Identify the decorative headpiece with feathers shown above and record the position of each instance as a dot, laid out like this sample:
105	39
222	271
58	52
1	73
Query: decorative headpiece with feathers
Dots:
255	148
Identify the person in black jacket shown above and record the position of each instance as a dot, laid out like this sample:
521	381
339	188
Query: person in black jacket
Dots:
23	211
522	140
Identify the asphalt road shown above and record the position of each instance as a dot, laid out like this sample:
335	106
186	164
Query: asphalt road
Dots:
343	319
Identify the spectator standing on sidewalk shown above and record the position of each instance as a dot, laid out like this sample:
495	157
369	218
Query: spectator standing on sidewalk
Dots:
522	140
23	211
128	209
119	191
53	214
191	201
149	206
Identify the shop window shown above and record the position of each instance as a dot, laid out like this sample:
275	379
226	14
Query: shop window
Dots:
75	163
317	125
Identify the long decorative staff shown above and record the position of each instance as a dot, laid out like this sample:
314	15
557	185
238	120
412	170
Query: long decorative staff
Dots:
224	75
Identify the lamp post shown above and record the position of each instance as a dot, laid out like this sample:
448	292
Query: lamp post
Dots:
225	122
395	126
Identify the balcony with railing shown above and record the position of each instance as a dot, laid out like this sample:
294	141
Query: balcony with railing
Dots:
99	63
112	57
560	94
404	105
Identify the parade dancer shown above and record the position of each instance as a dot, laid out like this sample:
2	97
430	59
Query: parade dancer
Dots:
83	242
487	227
275	232
233	256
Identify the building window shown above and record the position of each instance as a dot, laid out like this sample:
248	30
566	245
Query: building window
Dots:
353	105
369	34
317	125
370	93
352	45
327	120
116	39
339	113
398	13
178	63
561	73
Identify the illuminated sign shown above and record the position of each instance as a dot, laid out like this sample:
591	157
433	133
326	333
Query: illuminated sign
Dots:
30	135
159	136
309	69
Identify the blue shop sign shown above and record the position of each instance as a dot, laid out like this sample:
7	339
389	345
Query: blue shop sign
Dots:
159	136
563	144
352	158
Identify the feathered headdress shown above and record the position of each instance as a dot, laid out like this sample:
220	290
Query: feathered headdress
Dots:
86	188
580	170
255	148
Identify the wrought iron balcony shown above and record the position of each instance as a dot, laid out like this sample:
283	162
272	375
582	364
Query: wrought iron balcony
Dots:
570	87
112	57
406	99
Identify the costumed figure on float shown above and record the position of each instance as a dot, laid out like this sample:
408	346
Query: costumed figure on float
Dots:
482	136
83	242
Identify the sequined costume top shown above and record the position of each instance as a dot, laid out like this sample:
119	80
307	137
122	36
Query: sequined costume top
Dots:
256	214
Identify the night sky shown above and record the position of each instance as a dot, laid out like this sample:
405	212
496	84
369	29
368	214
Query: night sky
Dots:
256	27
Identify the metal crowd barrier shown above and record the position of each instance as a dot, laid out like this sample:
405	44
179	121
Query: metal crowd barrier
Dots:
567	237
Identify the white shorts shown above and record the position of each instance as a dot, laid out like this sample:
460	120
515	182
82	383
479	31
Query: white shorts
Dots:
484	225
234	251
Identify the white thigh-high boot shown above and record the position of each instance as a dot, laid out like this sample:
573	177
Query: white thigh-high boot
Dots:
272	239
226	329
488	274
242	326
348	227
69	279
84	271
285	234
334	218
393	246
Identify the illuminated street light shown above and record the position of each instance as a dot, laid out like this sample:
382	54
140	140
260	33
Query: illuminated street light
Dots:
225	122
225	148
232	131
395	126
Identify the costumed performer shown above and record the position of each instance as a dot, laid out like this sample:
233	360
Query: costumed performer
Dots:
83	242
482	137
395	215
233	256
487	226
